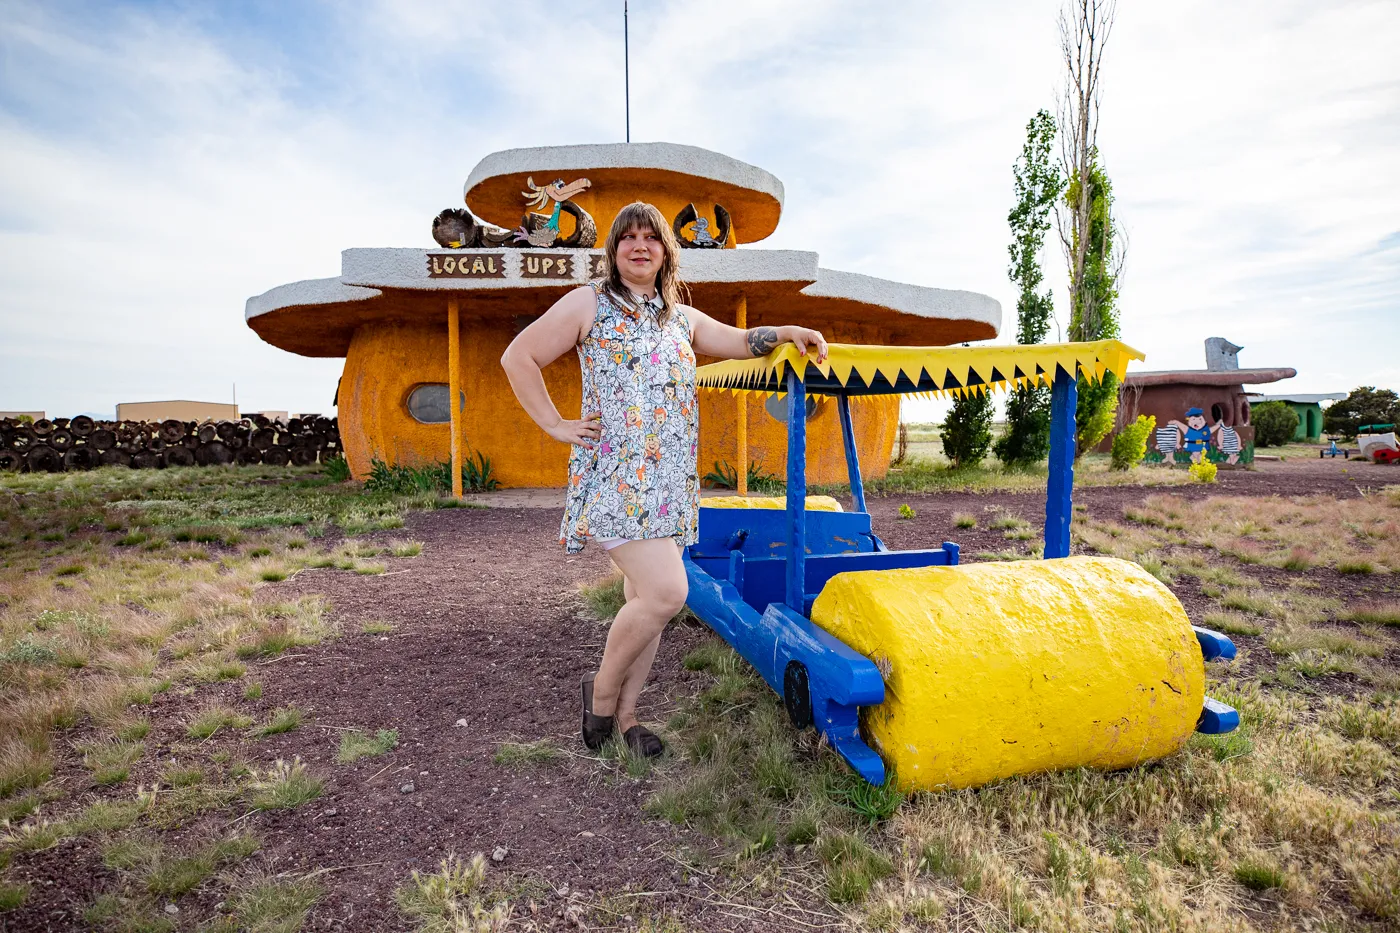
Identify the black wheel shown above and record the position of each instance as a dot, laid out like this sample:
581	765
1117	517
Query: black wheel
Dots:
797	697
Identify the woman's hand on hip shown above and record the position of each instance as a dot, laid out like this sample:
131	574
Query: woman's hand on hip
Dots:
805	338
584	432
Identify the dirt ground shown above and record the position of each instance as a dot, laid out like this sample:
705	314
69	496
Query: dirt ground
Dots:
489	641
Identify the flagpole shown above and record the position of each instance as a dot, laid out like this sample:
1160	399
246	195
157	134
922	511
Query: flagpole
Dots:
626	76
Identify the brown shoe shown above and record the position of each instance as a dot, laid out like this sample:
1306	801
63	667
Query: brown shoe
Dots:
596	729
643	742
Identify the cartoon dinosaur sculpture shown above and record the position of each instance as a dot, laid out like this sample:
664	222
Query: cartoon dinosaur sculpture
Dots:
703	239
459	228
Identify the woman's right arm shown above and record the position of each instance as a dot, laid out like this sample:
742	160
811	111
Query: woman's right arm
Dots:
549	337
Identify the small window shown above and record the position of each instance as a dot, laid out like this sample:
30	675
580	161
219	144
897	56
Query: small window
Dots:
428	403
1217	413
777	407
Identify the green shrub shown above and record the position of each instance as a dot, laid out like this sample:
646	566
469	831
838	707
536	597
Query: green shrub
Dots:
1130	446
724	476
437	478
1274	424
337	469
967	431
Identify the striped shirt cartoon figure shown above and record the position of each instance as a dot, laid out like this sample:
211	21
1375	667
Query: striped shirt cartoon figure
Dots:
1228	440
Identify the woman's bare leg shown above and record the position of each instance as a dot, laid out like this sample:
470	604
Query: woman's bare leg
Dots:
654	570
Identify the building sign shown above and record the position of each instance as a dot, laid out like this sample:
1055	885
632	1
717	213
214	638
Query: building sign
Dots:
597	266
535	265
466	266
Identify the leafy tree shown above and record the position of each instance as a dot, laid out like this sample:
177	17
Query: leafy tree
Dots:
1094	299
1364	405
967	431
1274	424
1037	183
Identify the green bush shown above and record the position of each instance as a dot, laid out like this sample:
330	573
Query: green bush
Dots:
1274	424
967	431
337	469
1130	446
437	478
724	476
1364	405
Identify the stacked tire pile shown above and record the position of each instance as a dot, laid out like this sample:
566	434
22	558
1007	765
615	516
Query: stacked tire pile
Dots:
81	443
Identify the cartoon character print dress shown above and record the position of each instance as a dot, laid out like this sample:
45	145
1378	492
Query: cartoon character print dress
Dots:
638	481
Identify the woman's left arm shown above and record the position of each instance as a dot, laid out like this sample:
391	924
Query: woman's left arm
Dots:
730	343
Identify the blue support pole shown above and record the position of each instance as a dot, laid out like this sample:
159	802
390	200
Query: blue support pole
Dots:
848	436
1064	399
796	492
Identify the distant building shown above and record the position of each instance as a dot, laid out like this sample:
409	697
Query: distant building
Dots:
180	410
1308	408
35	415
1214	396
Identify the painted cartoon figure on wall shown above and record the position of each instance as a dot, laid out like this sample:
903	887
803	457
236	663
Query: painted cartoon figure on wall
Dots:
1195	436
1196	439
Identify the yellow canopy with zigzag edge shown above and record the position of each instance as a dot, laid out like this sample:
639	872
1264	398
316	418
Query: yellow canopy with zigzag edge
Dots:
858	369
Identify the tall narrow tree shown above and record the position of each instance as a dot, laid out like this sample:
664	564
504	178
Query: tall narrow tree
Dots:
1037	184
1086	228
1095	314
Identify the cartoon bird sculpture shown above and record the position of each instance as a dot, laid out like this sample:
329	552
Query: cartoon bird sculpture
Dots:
543	234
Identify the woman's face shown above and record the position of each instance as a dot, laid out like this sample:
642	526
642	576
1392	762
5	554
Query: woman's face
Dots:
639	256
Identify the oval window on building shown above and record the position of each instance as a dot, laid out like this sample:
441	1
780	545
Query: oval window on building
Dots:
777	407
428	403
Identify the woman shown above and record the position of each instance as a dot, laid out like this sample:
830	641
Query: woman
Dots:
632	482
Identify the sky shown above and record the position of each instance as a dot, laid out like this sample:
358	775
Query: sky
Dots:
161	162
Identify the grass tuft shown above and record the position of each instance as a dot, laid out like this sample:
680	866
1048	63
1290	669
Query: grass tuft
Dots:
1231	623
514	754
275	904
283	719
852	867
355	744
284	786
1258	874
12	895
211	719
110	760
454	897
605	597
871	802
1375	613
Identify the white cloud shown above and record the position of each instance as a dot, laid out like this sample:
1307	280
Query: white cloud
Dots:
160	166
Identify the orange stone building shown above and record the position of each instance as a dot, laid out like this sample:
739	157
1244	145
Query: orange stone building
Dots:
420	327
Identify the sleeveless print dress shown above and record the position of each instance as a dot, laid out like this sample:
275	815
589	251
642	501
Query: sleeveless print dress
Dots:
638	481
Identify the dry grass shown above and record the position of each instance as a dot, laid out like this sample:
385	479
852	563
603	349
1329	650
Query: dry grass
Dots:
116	585
1359	535
1293	814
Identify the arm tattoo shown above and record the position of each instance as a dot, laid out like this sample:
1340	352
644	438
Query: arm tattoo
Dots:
762	340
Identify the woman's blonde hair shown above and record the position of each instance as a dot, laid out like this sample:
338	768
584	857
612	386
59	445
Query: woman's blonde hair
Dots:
669	287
